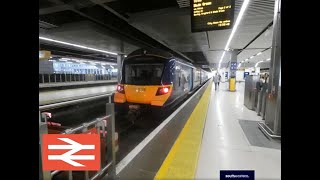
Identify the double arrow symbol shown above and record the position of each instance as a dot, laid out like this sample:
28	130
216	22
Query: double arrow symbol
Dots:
68	157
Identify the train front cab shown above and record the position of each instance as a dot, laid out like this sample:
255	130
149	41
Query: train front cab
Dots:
146	80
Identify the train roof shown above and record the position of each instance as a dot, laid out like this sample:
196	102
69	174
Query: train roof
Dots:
156	52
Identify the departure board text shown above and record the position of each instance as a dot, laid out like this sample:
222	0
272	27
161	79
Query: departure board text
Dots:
207	15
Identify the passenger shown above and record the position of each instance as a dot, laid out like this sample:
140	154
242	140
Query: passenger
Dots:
266	78
216	80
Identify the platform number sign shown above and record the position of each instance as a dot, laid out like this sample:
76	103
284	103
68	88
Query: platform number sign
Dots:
245	74
233	66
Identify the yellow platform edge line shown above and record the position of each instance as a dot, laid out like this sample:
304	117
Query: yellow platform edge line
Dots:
182	160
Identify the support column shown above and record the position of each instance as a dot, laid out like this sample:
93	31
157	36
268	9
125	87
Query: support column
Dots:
233	69
273	102
233	63
120	58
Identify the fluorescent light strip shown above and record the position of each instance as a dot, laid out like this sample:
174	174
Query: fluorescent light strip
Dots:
259	53
258	63
243	8
76	45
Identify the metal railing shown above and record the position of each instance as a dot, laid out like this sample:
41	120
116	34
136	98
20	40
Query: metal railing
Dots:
103	125
59	78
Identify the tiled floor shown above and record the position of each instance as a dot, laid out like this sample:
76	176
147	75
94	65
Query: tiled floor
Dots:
225	145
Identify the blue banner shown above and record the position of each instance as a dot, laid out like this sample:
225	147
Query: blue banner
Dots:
237	174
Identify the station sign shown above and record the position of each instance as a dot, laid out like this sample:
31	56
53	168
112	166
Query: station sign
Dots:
44	55
233	66
208	15
76	152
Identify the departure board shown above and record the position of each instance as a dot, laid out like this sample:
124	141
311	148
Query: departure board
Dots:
207	15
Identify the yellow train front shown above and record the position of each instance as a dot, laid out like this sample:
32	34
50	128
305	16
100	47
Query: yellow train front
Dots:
156	79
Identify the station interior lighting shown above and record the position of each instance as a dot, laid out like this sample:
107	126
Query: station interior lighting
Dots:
76	45
258	55
258	63
242	10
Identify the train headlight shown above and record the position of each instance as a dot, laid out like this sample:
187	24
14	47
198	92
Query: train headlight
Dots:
162	91
120	88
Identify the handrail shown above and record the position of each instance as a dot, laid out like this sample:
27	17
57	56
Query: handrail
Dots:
110	141
84	125
266	132
52	78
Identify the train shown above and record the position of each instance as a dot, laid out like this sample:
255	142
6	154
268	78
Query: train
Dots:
156	79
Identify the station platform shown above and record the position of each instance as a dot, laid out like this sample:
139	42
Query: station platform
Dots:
54	96
80	83
211	131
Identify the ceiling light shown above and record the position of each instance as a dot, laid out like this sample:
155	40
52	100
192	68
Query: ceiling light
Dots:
268	59
257	63
246	60
76	45
251	57
259	53
243	8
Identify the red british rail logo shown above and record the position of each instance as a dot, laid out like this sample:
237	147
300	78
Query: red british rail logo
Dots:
76	152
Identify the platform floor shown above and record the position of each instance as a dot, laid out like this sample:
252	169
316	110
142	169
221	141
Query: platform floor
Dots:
54	96
225	145
76	83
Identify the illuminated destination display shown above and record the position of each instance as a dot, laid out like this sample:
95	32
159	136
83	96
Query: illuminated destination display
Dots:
207	15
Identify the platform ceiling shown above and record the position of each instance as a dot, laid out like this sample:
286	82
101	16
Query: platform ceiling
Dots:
167	22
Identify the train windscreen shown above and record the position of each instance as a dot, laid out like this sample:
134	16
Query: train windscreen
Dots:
143	73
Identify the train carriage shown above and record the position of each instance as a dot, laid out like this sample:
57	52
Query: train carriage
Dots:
156	78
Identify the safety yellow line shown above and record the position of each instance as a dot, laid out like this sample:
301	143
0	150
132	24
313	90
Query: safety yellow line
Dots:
182	160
